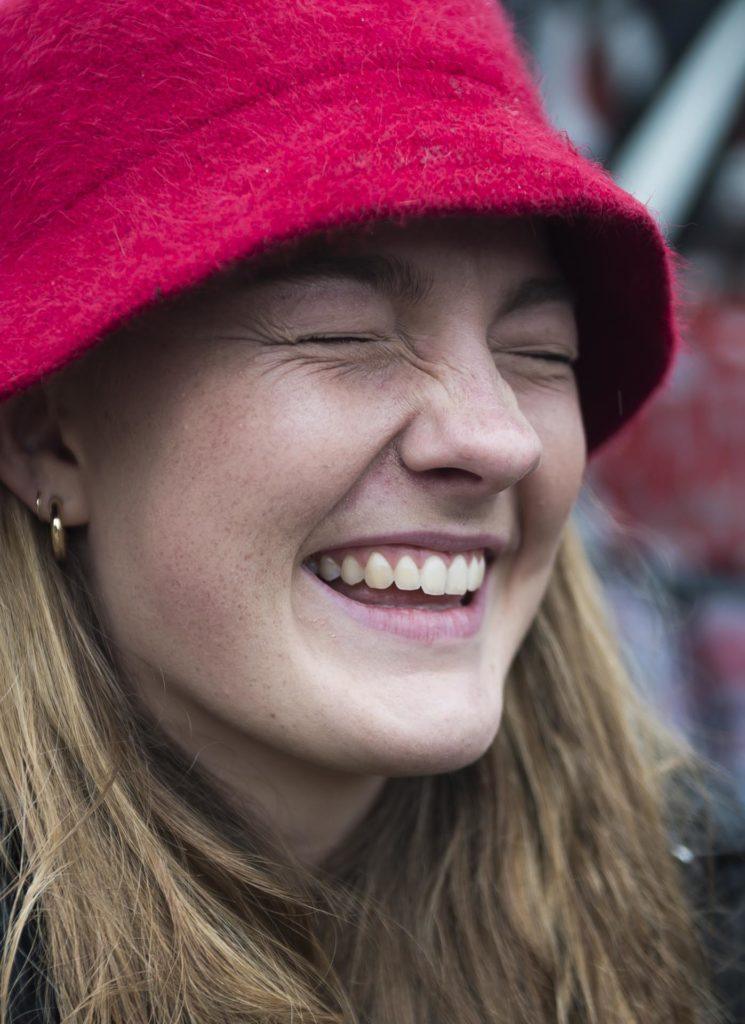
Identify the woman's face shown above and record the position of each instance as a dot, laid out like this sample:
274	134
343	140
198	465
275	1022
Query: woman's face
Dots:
405	391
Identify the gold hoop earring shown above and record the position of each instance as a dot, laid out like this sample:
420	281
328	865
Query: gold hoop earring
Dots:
58	530
38	507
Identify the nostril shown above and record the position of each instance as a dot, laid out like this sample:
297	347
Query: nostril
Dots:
450	473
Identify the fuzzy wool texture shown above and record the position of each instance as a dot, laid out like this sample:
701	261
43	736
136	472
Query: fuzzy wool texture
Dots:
146	144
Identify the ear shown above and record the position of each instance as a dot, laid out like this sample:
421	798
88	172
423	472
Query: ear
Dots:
38	454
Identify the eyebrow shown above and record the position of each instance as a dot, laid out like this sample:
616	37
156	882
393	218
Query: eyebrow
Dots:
397	279
537	291
393	277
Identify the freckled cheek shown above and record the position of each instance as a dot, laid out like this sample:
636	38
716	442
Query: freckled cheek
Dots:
235	498
167	578
265	465
549	493
300	452
226	492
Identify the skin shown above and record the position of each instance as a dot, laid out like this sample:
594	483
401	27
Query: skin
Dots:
202	453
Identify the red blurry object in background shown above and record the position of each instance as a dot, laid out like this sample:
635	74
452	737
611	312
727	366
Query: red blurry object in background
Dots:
680	466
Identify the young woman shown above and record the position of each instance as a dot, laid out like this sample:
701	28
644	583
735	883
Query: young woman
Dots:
309	707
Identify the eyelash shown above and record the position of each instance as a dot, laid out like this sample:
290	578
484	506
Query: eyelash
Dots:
554	357
333	338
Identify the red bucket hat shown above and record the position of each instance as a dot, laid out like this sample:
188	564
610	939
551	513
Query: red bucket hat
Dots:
145	144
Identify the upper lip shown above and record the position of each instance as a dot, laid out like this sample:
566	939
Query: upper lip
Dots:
438	540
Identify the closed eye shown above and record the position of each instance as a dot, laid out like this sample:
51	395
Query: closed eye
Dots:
554	357
333	338
345	339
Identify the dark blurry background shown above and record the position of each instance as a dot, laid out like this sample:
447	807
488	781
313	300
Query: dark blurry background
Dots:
655	89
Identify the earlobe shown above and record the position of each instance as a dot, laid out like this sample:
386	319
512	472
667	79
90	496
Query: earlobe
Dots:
35	462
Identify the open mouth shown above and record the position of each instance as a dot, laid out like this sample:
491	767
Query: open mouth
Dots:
390	577
391	597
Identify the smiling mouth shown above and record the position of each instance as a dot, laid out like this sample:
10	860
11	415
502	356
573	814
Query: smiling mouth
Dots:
391	597
404	577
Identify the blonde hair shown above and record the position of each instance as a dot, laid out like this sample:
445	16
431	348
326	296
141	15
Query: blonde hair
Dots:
534	885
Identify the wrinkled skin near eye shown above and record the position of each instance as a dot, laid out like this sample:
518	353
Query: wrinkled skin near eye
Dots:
286	409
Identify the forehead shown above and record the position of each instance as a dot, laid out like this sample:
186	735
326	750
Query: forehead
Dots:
384	253
410	262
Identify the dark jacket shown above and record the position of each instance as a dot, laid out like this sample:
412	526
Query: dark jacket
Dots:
708	847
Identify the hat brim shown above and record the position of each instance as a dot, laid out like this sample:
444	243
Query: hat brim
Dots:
422	143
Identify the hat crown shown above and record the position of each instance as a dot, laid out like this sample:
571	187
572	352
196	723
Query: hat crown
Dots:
88	88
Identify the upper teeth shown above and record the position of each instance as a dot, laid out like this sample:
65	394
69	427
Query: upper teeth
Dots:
434	577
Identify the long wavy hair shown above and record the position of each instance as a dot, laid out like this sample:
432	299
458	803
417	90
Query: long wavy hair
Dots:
535	885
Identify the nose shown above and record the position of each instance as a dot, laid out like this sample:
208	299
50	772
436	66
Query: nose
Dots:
468	419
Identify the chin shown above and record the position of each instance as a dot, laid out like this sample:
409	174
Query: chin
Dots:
434	751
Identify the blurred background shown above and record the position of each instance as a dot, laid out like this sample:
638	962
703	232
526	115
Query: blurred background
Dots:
655	90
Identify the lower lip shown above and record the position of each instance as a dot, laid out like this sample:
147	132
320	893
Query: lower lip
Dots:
450	624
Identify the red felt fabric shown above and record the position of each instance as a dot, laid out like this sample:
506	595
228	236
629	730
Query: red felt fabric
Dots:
144	144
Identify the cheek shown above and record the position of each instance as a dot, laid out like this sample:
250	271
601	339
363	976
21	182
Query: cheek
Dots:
278	456
205	503
548	495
